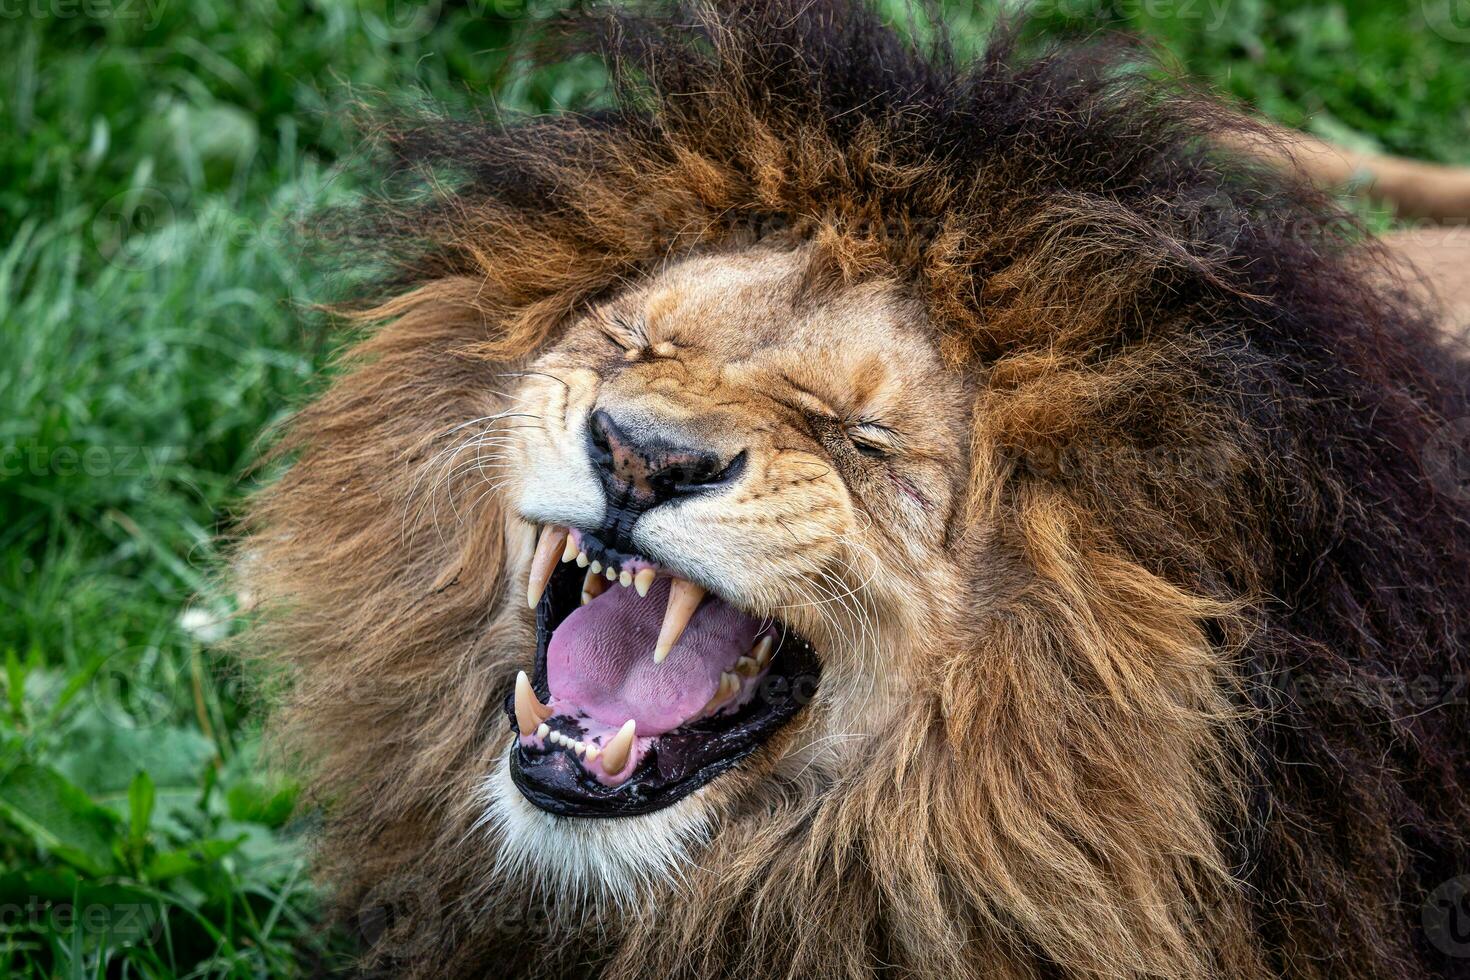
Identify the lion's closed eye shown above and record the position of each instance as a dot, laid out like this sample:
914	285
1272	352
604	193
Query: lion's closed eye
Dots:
873	439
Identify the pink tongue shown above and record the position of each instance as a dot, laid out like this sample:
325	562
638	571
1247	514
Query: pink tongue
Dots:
601	658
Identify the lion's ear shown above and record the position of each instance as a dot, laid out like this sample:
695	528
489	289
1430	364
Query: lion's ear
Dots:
1094	737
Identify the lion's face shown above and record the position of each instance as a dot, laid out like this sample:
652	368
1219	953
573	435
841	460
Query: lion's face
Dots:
743	484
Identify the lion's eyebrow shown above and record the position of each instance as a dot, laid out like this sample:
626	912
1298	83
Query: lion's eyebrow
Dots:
865	420
625	329
821	403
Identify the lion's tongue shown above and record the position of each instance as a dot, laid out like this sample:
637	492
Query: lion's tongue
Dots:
600	659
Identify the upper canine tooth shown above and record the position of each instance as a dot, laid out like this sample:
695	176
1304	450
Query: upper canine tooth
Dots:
530	712
643	581
571	549
762	651
615	752
746	667
543	561
684	598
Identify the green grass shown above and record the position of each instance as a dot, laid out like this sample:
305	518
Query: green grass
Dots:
153	321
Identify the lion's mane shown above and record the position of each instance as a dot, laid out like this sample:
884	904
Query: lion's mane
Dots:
1222	732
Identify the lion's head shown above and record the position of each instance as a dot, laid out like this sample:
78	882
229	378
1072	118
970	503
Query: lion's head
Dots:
843	512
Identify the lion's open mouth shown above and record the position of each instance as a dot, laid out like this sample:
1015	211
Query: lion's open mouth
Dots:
646	685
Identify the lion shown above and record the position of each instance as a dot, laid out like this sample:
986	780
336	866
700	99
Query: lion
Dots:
843	510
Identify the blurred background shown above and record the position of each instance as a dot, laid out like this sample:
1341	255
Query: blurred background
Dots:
156	157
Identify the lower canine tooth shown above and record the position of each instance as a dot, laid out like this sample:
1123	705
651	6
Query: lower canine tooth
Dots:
684	599
619	747
729	686
643	581
530	712
544	561
592	586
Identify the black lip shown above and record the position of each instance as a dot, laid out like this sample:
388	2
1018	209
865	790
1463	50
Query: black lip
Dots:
678	762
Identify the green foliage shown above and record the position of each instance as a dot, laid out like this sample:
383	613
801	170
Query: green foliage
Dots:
1373	75
153	312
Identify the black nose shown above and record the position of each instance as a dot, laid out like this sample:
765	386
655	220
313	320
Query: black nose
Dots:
641	469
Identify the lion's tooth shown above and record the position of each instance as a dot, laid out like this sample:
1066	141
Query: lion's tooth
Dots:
728	687
530	712
615	753
643	581
762	652
543	730
597	566
571	549
544	561
593	751
746	667
625	578
582	559
592	586
684	599
713	704
612	574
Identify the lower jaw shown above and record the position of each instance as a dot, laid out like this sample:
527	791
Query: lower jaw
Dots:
669	766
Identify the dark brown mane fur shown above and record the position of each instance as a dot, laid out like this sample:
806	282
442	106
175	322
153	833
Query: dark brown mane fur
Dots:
1197	404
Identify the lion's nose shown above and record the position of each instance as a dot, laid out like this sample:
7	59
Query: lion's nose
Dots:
641	468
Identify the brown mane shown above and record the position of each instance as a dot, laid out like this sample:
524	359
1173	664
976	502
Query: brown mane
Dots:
1203	444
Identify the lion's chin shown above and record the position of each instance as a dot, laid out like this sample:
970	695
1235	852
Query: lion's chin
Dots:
590	860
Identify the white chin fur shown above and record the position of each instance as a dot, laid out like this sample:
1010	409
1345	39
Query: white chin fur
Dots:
573	859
